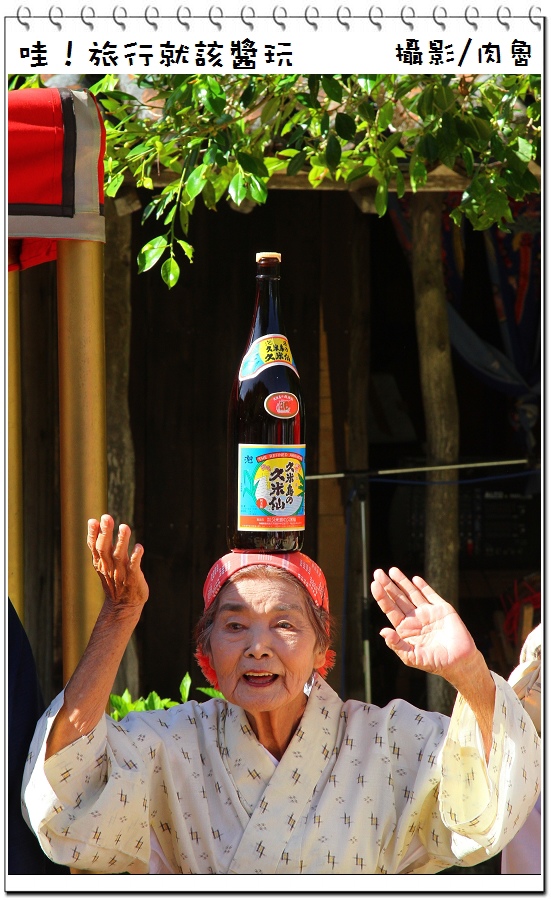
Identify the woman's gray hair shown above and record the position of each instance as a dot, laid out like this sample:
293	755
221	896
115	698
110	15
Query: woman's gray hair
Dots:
319	618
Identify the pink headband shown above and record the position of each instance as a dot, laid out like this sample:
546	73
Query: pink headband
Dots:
298	564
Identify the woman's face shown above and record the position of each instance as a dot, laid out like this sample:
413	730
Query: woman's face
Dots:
263	645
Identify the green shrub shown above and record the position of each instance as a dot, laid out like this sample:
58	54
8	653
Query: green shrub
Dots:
121	704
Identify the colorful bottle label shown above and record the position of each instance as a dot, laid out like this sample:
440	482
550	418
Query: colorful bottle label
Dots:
269	350
271	487
282	405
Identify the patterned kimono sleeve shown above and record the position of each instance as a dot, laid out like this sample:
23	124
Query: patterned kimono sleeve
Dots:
485	805
89	803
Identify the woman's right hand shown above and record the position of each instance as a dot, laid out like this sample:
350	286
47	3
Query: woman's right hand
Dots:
123	581
126	591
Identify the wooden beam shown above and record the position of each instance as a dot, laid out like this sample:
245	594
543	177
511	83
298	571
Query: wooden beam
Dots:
441	178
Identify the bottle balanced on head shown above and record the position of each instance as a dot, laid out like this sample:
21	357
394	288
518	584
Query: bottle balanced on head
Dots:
266	448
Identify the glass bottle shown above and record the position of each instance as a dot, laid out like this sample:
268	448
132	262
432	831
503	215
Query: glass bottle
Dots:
266	437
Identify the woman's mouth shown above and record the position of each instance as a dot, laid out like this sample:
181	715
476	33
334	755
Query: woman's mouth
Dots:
260	679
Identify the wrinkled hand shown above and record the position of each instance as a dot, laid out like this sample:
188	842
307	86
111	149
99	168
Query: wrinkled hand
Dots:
427	632
121	576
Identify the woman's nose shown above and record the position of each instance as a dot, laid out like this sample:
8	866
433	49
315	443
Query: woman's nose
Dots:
259	645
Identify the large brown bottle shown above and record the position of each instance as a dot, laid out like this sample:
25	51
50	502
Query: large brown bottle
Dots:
266	449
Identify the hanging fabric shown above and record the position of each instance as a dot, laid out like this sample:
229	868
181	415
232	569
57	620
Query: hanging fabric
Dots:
56	146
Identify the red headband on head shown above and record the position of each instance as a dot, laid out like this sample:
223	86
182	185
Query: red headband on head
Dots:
298	564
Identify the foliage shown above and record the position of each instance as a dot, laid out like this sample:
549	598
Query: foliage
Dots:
122	704
212	138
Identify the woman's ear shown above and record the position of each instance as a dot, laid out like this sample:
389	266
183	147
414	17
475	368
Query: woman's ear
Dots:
319	658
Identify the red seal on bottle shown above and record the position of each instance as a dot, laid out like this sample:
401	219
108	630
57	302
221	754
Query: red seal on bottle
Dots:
281	405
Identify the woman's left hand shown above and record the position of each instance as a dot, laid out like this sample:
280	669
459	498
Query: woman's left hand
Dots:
427	632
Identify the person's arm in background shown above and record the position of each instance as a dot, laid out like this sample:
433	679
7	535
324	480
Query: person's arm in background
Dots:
522	856
25	706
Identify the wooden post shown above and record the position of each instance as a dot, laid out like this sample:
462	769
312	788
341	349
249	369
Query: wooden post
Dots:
358	677
441	415
16	581
331	520
82	435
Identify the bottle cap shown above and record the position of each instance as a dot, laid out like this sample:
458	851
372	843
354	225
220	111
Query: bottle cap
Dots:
265	255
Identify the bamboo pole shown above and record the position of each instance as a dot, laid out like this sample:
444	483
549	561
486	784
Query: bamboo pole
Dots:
16	579
82	435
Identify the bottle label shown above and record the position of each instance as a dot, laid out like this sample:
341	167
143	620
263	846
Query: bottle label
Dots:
281	405
271	487
269	350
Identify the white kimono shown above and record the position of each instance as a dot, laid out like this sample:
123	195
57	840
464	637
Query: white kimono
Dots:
359	790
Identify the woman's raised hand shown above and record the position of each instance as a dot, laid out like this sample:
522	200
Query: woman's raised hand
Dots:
427	632
121	575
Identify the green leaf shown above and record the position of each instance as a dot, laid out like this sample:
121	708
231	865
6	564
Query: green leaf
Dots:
385	115
273	164
466	129
525	150
248	94
427	148
345	126
331	87
182	97
153	701
297	162
211	692
447	147
170	215
252	164
269	109
358	172
185	211
185	685
237	189
216	104
444	97
151	253
196	181
369	82
468	159
170	273
187	248
483	128
333	152
138	150
425	102
400	184
114	184
324	123
257	190
381	198
417	174
209	195
138	705
314	84
392	141
315	177
368	111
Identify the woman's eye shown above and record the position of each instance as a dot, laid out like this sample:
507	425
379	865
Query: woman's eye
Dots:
284	625
234	626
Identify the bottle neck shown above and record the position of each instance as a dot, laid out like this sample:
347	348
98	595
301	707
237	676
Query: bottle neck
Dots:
267	311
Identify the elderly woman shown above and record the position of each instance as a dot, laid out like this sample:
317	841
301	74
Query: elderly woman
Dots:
280	777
